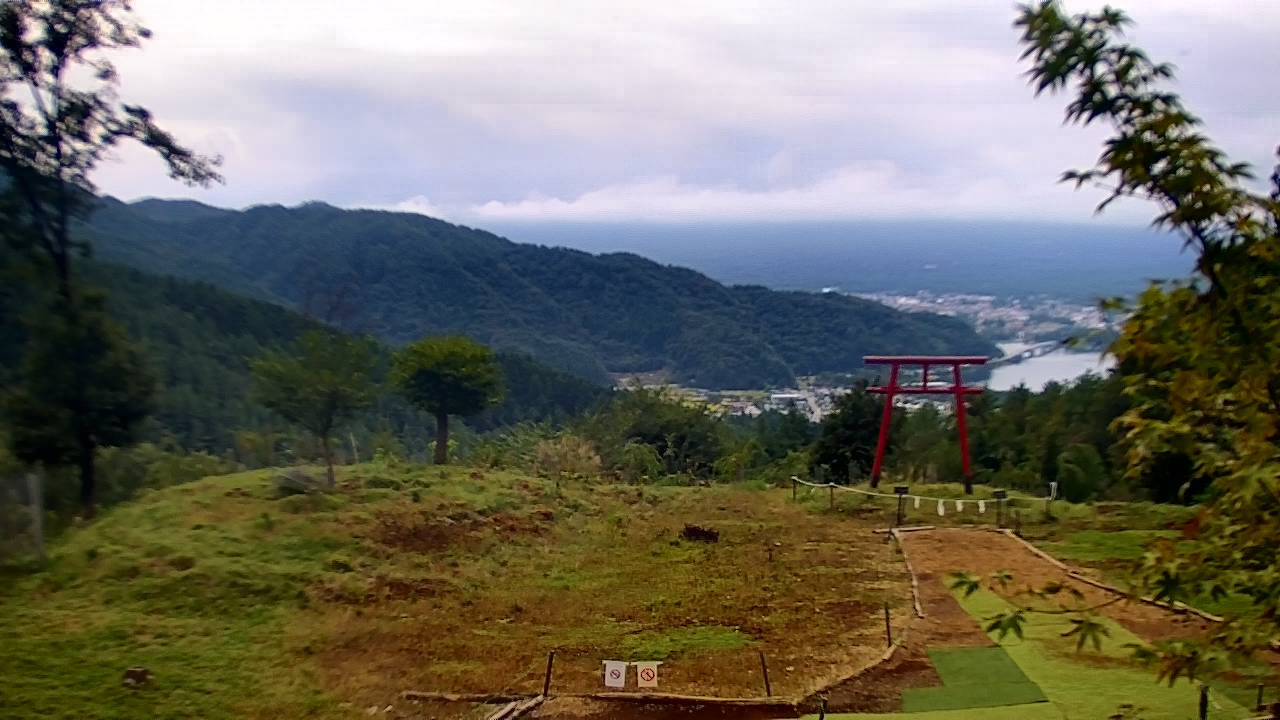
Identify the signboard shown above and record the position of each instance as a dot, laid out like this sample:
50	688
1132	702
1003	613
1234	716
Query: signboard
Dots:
615	673
647	674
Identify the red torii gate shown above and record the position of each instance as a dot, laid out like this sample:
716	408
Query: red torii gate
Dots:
957	389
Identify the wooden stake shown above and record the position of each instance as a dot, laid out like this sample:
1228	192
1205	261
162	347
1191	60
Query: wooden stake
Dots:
832	491
546	682
764	669
888	629
1204	702
485	698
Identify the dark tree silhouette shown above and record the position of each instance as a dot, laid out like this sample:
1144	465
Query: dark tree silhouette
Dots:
59	116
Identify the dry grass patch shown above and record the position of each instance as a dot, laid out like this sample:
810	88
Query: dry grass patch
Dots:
600	572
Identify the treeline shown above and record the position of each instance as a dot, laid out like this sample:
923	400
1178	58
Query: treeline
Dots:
1019	439
199	341
1024	440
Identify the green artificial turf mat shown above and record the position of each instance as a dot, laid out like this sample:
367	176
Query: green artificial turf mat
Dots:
975	677
959	666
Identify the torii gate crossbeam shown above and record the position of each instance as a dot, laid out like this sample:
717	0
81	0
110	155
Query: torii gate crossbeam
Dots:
957	389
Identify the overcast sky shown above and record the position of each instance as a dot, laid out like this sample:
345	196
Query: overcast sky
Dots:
507	110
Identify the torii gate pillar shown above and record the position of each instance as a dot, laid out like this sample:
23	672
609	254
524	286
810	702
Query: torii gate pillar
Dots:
957	389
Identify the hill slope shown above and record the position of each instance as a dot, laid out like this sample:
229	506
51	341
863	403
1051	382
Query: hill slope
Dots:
246	605
199	341
401	276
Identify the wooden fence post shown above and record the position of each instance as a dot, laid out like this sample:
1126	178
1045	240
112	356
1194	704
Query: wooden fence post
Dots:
546	682
888	629
1204	702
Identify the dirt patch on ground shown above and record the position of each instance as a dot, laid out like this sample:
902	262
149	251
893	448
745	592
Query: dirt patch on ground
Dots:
879	690
945	624
474	601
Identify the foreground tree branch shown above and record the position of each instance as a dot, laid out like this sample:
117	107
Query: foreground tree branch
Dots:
1200	358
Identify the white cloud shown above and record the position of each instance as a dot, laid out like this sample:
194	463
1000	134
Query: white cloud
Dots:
609	108
871	191
417	204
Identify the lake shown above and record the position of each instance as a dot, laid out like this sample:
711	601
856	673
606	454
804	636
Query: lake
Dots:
1060	366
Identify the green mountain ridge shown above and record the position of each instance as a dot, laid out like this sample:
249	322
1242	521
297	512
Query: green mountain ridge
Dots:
400	276
199	341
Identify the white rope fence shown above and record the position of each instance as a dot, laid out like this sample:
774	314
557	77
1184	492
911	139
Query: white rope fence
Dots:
958	503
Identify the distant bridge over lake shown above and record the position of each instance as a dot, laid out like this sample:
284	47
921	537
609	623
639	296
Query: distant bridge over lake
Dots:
1034	351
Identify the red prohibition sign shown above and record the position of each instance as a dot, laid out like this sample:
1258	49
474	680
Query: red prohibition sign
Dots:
647	674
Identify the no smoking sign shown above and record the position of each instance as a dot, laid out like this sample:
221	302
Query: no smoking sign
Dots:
647	674
615	673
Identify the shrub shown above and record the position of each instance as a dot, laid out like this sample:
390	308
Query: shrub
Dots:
566	456
685	437
640	463
514	448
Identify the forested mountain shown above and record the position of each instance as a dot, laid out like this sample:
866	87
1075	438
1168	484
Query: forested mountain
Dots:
401	276
198	341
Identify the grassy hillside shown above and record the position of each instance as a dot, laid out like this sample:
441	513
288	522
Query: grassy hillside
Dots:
401	276
199	342
247	605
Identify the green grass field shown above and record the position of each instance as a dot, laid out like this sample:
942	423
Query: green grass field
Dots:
245	604
1112	551
1105	546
